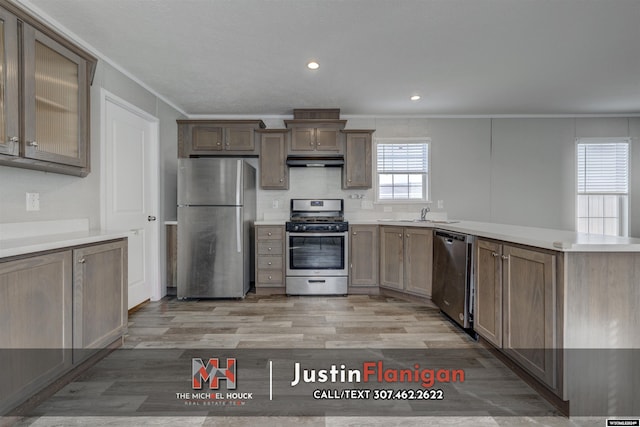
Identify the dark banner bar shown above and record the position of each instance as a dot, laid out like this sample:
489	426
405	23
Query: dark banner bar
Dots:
320	382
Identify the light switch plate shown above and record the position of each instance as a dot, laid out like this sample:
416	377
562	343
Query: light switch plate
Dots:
33	201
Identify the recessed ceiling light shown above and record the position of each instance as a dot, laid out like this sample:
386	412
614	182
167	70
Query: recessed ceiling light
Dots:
415	97
313	65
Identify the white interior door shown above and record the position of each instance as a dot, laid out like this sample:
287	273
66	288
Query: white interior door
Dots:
130	185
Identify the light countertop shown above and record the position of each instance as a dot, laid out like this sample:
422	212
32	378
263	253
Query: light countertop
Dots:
26	245
558	240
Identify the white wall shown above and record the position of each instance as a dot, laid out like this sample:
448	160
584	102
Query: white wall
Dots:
508	170
69	197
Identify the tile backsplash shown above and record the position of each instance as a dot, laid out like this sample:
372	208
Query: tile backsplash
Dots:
326	183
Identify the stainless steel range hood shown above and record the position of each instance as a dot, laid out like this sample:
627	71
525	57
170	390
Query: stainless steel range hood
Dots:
315	161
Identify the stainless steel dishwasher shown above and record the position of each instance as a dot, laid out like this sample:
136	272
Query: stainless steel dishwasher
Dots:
452	276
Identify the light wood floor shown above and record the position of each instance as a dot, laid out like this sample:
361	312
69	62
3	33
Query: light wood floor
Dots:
127	381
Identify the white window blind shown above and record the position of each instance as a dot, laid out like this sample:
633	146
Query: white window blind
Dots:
602	186
403	158
603	168
402	169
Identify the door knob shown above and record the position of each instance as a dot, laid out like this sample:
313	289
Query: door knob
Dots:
151	218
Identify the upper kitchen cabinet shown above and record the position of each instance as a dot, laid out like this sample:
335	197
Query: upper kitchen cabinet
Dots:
44	97
217	137
9	96
315	136
274	172
356	172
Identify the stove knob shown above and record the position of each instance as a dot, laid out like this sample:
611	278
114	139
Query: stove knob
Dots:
304	227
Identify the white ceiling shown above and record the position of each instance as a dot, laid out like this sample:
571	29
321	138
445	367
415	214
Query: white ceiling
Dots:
464	57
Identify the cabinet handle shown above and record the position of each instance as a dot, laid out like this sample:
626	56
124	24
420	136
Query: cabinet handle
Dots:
505	256
311	143
14	139
82	261
32	143
408	235
348	180
400	235
269	234
269	249
355	233
270	277
269	263
218	143
495	254
281	179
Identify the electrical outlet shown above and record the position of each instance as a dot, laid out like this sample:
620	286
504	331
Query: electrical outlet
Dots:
275	204
388	209
440	204
33	201
366	204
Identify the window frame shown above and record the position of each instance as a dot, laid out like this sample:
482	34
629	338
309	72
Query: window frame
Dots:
623	216
405	140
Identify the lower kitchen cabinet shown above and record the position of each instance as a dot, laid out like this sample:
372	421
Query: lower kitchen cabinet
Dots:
36	319
270	264
488	312
52	306
100	296
406	259
516	310
363	256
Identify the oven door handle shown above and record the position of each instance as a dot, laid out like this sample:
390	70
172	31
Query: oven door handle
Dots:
314	234
316	281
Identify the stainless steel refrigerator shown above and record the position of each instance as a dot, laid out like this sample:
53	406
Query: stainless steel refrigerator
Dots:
216	211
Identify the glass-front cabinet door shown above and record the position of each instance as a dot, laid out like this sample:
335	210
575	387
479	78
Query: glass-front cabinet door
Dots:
55	101
9	104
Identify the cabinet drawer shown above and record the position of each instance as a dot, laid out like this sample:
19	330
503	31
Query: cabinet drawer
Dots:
270	233
270	262
266	277
270	247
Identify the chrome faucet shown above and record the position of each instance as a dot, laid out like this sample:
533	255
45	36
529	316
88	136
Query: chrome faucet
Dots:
423	214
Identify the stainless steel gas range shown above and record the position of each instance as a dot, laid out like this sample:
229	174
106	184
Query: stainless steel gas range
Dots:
317	248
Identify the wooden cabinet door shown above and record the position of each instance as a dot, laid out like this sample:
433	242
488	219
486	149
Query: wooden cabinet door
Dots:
36	319
357	169
206	138
55	101
9	98
529	286
303	139
392	257
327	139
363	255
100	296
488	295
274	174
239	139
418	259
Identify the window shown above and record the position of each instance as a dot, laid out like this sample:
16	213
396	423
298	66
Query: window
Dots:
603	186
402	170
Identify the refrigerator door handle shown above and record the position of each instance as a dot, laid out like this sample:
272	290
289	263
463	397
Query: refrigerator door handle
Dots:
238	182
238	229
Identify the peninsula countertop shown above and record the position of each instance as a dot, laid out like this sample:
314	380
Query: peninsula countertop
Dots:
558	240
